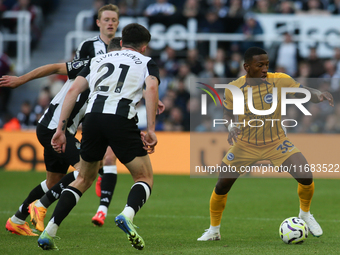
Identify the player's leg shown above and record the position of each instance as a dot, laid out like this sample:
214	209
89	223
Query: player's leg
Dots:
141	171
68	199
218	202
304	177
108	184
57	163
16	224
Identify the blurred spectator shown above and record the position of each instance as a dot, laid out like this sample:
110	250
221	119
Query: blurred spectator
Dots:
314	7
5	93
219	6
161	7
211	23
236	9
169	60
126	8
194	61
47	7
337	59
36	19
176	119
315	63
191	9
96	5
287	55
43	102
53	84
187	77
235	64
248	4
205	125
304	74
334	7
182	96
332	124
220	66
250	29
208	71
263	7
285	7
165	82
331	75
11	123
2	9
26	117
311	123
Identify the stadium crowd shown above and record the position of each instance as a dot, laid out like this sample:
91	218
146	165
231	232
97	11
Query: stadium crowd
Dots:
180	70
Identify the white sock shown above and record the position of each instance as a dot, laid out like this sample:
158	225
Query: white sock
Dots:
39	204
103	209
16	220
129	212
215	229
110	169
303	213
51	228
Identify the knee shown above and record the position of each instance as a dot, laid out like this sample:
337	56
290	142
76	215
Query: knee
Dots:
86	180
110	160
53	179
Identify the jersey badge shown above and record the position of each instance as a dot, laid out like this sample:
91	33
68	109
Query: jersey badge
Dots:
268	98
230	156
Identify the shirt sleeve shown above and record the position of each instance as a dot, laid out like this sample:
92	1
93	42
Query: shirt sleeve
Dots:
153	70
85	71
74	67
85	51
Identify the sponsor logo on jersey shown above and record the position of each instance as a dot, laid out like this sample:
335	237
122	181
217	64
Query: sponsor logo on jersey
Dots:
100	52
230	156
268	98
77	64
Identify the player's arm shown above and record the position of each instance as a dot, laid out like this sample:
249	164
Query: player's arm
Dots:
234	131
317	96
59	140
151	104
160	105
42	71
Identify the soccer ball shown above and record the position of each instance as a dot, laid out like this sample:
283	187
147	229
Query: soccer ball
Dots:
293	230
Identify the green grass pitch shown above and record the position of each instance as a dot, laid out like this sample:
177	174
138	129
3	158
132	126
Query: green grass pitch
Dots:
177	214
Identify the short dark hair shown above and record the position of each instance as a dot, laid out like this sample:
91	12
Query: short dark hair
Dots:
251	52
114	44
135	35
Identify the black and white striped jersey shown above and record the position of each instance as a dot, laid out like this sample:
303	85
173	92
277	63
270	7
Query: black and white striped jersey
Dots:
51	116
116	81
87	49
90	48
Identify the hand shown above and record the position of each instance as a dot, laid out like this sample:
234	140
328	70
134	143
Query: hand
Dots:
161	107
233	134
10	81
326	96
58	141
150	140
